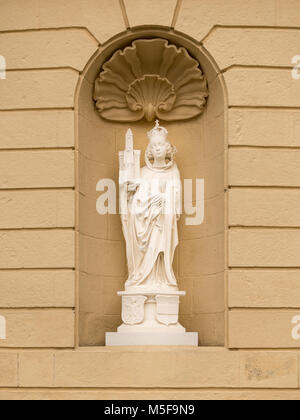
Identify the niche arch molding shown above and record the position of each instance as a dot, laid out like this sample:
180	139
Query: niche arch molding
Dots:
201	261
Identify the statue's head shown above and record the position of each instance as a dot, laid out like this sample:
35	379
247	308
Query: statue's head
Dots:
159	148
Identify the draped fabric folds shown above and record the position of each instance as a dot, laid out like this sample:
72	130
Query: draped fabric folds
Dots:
150	229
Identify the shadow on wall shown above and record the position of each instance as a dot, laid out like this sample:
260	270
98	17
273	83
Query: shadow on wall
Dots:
199	262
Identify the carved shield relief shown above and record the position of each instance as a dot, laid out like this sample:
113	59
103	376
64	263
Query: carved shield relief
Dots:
167	309
133	309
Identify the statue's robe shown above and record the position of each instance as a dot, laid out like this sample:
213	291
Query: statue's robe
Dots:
151	231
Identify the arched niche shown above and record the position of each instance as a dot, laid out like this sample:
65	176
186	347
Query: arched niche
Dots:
200	259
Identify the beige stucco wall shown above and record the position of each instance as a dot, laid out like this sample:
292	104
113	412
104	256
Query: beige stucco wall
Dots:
47	46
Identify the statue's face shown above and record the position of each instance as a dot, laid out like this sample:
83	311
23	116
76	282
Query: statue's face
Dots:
159	148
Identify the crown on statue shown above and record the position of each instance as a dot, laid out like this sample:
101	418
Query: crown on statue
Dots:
158	131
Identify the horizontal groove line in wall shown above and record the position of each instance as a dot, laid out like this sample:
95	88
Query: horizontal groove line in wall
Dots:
106	239
257	147
122	240
247	309
82	271
55	108
39	269
188	277
283	187
250	188
256	67
37	349
100	275
260	108
37	229
37	308
38	149
261	227
129	389
37	109
27	69
265	309
265	268
2	269
112	166
96	237
37	189
209	199
264	107
267	27
47	29
204	237
268	350
263	27
183	315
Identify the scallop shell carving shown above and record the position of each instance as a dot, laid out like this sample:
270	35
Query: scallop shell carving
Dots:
150	79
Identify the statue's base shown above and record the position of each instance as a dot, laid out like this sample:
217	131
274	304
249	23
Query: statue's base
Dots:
151	339
151	319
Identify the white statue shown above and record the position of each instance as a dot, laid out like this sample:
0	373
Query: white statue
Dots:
150	205
153	196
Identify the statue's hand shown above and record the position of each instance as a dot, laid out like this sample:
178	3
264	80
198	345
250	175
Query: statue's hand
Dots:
159	200
132	186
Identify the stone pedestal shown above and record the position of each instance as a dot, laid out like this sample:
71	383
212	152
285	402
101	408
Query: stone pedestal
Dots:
151	318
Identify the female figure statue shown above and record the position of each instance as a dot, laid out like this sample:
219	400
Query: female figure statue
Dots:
150	225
